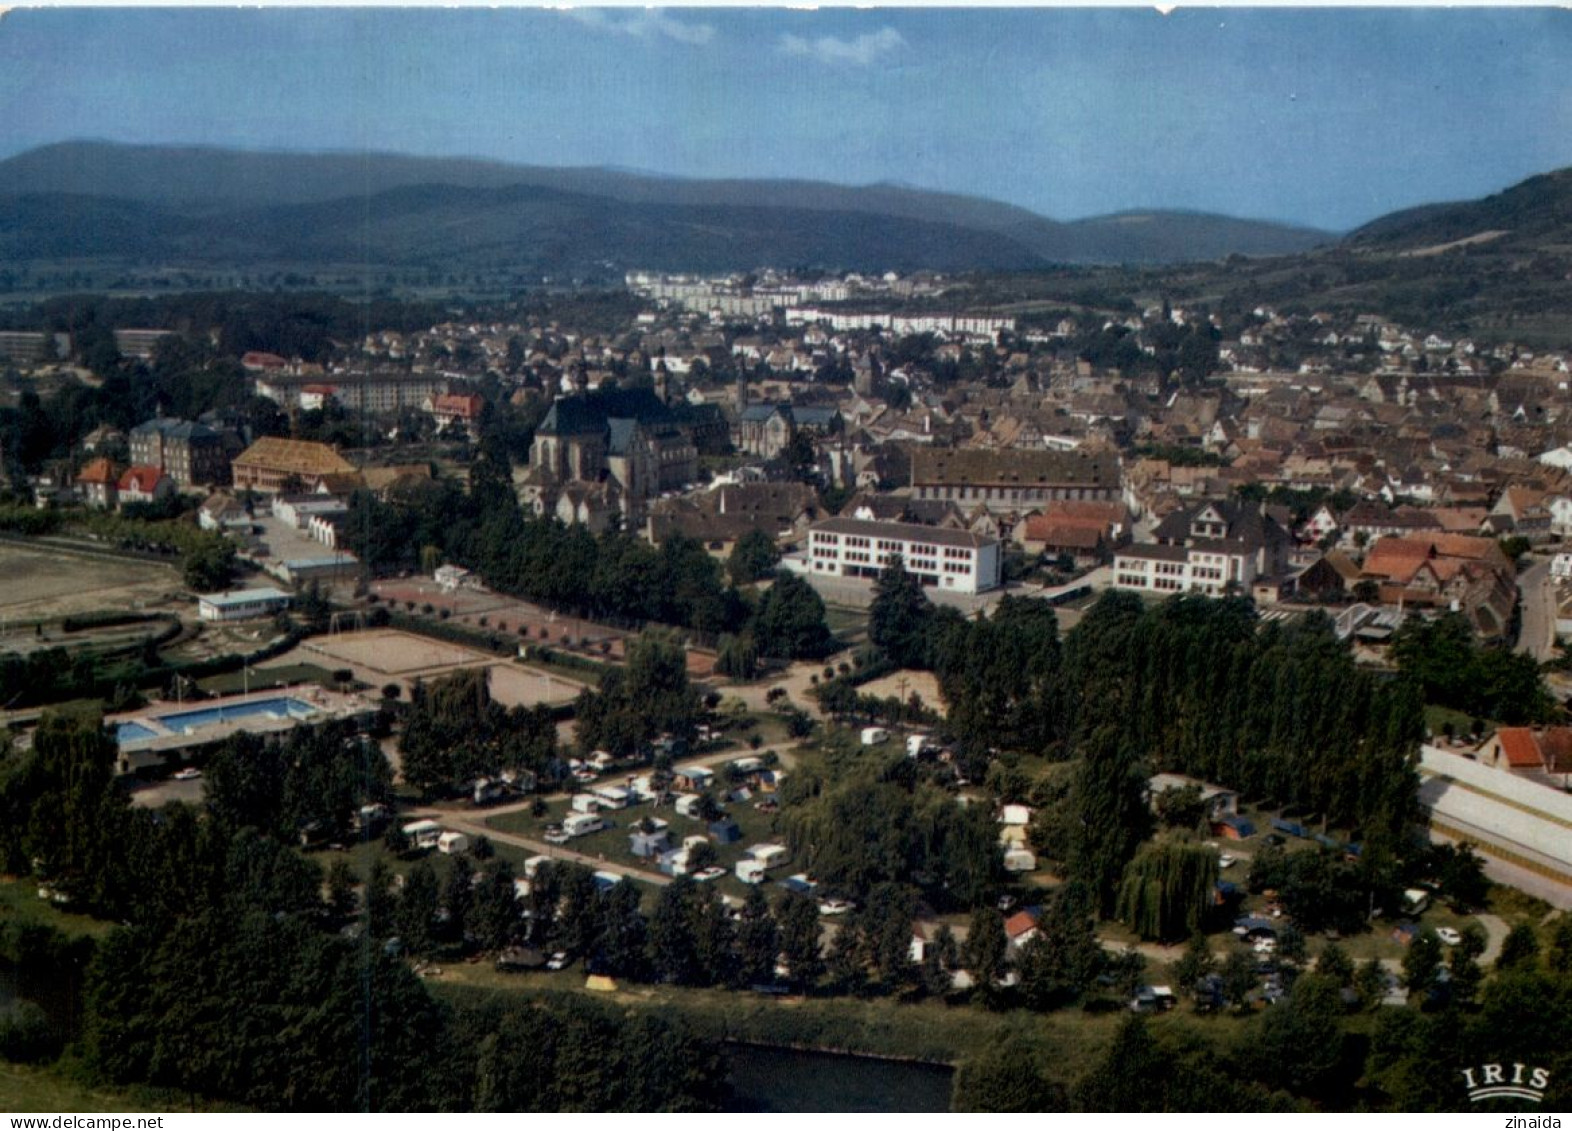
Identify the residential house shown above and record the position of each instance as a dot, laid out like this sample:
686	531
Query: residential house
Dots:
1215	548
143	485
1454	571
99	482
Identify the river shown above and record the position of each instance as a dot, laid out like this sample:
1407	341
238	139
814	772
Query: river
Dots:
789	1080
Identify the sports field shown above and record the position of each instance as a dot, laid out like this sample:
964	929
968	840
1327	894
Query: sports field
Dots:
391	652
40	583
383	655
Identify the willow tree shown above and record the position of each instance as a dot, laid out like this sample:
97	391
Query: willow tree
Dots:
1167	888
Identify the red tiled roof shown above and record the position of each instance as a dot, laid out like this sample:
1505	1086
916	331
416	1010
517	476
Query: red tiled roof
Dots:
142	478
1520	748
464	405
98	471
1555	743
1019	923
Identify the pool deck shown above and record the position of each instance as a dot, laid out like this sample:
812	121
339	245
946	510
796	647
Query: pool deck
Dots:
164	740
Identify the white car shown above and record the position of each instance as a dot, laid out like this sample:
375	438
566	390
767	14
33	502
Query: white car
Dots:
559	961
835	907
709	874
1265	946
1226	861
1448	936
190	773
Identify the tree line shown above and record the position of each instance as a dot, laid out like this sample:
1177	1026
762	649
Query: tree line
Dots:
614	576
242	972
1197	686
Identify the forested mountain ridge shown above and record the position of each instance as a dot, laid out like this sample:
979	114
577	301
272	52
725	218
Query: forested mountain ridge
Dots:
467	213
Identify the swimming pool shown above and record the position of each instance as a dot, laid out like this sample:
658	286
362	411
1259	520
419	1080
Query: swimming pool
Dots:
184	722
132	732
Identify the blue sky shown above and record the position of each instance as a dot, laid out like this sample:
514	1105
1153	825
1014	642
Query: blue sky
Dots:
1324	117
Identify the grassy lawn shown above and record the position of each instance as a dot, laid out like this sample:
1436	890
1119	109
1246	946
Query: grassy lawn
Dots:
842	620
587	677
19	903
52	1089
1071	1040
1436	719
231	682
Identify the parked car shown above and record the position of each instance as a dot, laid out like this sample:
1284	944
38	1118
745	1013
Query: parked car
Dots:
708	874
1226	861
1449	936
559	961
835	907
190	773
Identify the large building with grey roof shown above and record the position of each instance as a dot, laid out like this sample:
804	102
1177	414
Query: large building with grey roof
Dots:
191	454
1013	481
627	440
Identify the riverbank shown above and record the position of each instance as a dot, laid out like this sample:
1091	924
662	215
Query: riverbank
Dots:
925	1032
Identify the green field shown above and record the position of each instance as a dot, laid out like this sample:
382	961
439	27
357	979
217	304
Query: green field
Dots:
54	1089
19	903
231	682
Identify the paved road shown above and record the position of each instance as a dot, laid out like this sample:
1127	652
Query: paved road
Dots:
1538	598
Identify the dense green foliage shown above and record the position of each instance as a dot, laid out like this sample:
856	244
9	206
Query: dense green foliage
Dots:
455	732
857	825
1167	889
648	696
1455	671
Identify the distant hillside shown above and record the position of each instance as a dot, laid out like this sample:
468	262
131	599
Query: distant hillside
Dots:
1537	210
201	205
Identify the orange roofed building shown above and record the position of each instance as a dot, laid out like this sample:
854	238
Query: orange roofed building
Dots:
1447	571
272	462
1529	751
98	480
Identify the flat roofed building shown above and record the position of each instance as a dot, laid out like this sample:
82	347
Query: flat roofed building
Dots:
379	391
242	604
139	343
954	560
1014	480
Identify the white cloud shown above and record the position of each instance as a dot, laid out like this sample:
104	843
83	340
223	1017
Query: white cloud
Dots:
860	51
649	22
